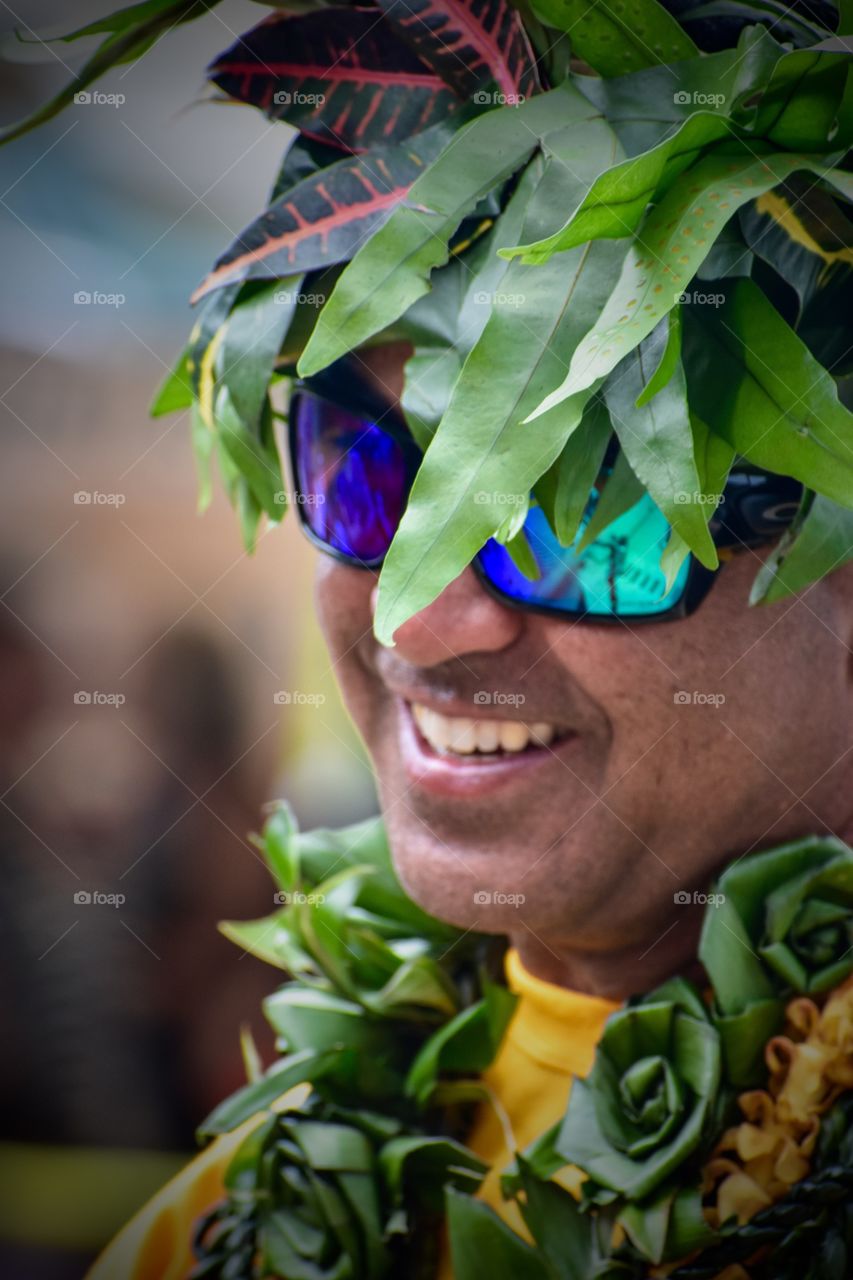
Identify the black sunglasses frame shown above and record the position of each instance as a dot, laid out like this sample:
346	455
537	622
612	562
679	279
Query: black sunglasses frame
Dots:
757	506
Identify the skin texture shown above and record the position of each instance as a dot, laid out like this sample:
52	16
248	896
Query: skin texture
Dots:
655	794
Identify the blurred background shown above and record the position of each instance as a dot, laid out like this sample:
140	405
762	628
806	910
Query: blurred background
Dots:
141	650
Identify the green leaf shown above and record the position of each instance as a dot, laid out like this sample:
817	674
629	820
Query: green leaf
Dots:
646	1224
657	440
620	491
259	1096
418	1168
254	333
481	1244
131	32
482	464
664	257
743	1037
565	1235
391	271
799	108
757	386
820	542
176	391
279	847
802	233
203	442
645	107
621	36
468	1043
564	491
445	323
256	461
617	200
670	358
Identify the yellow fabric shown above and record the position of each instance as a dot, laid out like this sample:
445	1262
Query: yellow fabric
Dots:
552	1037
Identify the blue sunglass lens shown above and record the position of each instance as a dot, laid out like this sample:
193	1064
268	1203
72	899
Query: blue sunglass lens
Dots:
618	574
353	478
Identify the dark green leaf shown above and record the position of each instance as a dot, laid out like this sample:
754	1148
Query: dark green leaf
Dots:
657	440
131	32
297	1069
821	541
481	1244
664	257
757	386
324	218
469	43
622	35
336	73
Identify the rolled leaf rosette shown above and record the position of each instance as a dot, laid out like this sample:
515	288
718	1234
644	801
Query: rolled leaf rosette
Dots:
784	927
791	909
645	1108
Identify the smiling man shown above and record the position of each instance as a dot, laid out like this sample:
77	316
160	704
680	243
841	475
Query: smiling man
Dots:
563	302
561	781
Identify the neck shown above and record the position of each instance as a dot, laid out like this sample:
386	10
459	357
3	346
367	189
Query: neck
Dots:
619	973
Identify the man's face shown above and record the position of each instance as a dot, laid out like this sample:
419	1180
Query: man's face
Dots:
659	752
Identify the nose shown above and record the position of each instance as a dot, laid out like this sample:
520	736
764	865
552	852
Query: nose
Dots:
462	620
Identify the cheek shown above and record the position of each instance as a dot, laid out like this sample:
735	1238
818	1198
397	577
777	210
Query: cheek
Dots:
342	599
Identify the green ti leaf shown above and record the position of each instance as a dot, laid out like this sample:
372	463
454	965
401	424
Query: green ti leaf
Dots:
615	203
620	36
756	385
657	440
819	542
482	464
129	33
391	271
666	253
564	491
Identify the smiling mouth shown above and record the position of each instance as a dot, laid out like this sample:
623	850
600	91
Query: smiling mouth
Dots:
483	739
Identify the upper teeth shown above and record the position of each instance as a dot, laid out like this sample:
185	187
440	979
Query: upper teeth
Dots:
463	736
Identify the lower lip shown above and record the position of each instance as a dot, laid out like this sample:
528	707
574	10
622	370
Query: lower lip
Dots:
471	776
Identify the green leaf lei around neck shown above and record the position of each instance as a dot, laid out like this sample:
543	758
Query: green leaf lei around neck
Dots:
357	1165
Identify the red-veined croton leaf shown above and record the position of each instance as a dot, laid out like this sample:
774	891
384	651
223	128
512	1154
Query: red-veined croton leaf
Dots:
342	75
469	43
325	218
